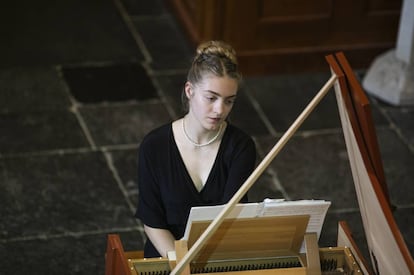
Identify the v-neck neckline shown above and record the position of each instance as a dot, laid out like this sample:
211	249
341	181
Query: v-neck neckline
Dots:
213	167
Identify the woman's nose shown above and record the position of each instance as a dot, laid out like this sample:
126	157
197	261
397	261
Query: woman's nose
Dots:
219	107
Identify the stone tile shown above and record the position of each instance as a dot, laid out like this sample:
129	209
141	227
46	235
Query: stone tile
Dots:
398	163
64	32
51	206
67	255
284	97
172	87
403	119
404	218
314	167
111	83
123	124
58	194
32	89
172	51
246	117
126	163
39	131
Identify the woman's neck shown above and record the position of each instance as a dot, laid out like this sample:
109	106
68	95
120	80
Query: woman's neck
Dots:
197	135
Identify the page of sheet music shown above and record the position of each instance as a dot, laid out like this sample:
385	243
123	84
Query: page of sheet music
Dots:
316	209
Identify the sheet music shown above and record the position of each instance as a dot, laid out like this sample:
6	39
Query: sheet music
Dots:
316	209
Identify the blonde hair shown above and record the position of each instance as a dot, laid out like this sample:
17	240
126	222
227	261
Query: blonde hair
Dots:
216	58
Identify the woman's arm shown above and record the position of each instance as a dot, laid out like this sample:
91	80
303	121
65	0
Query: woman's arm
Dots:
162	239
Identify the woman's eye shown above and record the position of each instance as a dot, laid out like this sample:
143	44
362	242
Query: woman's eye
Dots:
210	98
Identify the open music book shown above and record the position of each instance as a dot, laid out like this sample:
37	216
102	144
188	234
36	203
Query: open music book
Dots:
316	209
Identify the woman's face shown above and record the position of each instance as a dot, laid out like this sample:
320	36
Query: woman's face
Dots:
211	100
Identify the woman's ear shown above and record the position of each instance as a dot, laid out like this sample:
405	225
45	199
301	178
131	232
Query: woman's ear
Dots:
188	90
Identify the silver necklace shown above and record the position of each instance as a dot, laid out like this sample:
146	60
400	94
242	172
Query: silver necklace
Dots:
201	144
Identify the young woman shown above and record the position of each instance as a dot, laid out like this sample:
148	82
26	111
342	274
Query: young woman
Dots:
200	159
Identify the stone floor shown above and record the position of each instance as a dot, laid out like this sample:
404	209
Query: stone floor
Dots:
81	82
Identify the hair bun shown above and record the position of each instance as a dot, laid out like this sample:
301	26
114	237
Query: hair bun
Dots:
217	48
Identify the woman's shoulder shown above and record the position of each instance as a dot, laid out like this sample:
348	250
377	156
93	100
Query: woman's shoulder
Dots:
157	135
235	132
237	142
236	137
